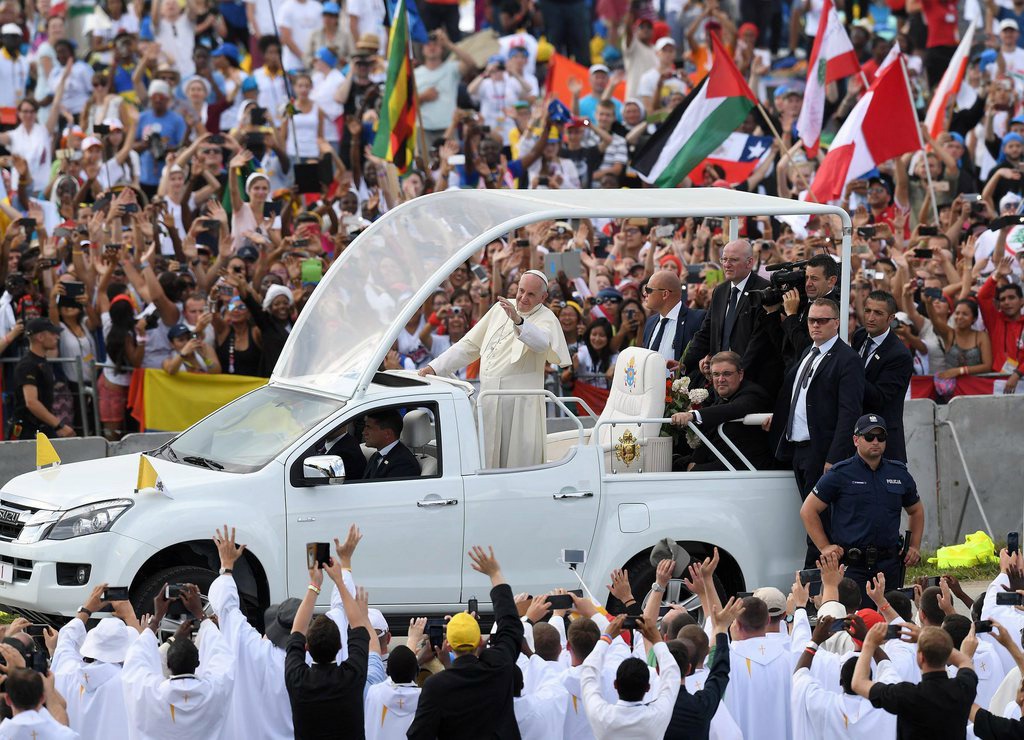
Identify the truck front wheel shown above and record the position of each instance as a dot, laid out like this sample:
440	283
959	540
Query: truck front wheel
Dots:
143	595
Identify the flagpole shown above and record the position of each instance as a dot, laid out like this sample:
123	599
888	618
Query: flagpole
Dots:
927	169
421	136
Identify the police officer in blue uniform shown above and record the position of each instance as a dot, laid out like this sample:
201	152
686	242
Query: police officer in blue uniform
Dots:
866	494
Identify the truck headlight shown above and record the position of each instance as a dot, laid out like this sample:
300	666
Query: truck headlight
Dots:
88	519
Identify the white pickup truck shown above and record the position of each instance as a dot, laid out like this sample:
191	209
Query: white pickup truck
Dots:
258	463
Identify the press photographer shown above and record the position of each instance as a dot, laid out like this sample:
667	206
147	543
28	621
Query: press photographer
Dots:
794	287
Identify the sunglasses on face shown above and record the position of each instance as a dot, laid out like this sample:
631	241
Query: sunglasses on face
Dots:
237	269
874	436
648	290
821	322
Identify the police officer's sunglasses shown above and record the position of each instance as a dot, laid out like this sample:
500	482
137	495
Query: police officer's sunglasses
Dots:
872	436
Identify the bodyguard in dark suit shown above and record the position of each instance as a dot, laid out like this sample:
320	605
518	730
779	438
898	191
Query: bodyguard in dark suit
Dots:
819	405
821	277
392	458
673	325
729	323
473	698
735	398
888	366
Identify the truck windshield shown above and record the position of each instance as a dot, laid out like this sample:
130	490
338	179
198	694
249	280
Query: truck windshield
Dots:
250	432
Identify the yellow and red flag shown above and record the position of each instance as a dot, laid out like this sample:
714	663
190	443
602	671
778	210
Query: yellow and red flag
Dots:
396	131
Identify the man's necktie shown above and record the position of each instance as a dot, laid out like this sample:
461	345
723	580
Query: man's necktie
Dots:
656	342
801	382
867	349
374	465
730	317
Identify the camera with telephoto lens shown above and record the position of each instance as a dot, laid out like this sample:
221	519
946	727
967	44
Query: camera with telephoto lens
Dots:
785	276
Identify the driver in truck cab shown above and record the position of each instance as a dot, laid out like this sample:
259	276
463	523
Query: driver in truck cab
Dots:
382	431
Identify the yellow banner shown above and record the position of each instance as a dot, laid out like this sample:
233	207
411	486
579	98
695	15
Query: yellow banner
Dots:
175	402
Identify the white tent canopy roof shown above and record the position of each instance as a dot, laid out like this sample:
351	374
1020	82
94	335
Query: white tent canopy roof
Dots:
370	293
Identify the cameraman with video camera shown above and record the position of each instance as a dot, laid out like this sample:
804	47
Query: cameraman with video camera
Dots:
820	280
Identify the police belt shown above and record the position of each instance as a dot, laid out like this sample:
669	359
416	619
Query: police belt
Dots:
868	555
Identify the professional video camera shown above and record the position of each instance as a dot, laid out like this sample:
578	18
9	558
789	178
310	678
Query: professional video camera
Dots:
784	277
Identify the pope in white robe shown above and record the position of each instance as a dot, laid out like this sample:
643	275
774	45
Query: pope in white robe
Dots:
512	342
389	709
93	691
179	706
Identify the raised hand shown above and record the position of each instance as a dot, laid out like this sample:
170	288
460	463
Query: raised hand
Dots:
723	618
619	587
345	549
228	551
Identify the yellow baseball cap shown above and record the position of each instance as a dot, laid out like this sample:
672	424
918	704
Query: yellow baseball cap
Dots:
463	631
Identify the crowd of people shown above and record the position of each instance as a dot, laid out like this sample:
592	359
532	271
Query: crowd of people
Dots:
178	177
558	665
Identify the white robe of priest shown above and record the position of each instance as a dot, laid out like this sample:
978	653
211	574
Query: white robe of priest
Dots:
822	714
37	725
180	706
259	698
389	709
511	358
92	691
758	696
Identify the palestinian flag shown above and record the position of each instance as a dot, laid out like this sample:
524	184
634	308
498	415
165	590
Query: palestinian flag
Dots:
396	131
698	125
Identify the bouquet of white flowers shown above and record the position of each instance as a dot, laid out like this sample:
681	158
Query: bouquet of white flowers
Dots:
681	397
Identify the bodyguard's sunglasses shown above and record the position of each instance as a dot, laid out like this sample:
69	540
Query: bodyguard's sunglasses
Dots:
873	436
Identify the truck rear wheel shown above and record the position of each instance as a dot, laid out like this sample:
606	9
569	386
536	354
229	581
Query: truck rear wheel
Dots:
143	595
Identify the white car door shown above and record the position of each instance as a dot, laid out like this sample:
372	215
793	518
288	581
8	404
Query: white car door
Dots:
411	551
530	515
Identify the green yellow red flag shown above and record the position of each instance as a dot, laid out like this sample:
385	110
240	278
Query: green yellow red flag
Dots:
396	130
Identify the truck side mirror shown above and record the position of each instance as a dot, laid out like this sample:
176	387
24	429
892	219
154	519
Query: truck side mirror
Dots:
328	469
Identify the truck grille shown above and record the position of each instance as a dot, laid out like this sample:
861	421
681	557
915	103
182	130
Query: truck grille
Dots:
22	568
12	520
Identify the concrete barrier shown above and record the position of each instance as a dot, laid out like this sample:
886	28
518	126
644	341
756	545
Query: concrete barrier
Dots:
919	431
17	458
987	429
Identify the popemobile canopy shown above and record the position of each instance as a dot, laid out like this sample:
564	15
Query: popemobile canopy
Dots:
370	293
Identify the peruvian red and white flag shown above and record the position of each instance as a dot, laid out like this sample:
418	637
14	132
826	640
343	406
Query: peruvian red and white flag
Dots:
881	126
949	85
832	59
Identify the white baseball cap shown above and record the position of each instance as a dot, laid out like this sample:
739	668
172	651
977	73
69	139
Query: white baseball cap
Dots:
11	29
599	68
159	87
1003	24
663	42
377	620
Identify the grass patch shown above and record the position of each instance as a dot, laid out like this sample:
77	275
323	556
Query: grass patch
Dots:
974	573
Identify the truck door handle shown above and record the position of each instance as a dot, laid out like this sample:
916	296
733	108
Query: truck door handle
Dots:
572	494
437	502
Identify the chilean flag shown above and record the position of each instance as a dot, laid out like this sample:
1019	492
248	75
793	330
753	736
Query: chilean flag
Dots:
832	59
738	156
881	126
949	85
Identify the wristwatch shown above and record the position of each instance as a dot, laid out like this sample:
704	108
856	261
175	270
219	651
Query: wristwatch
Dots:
224	571
83	610
656	588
